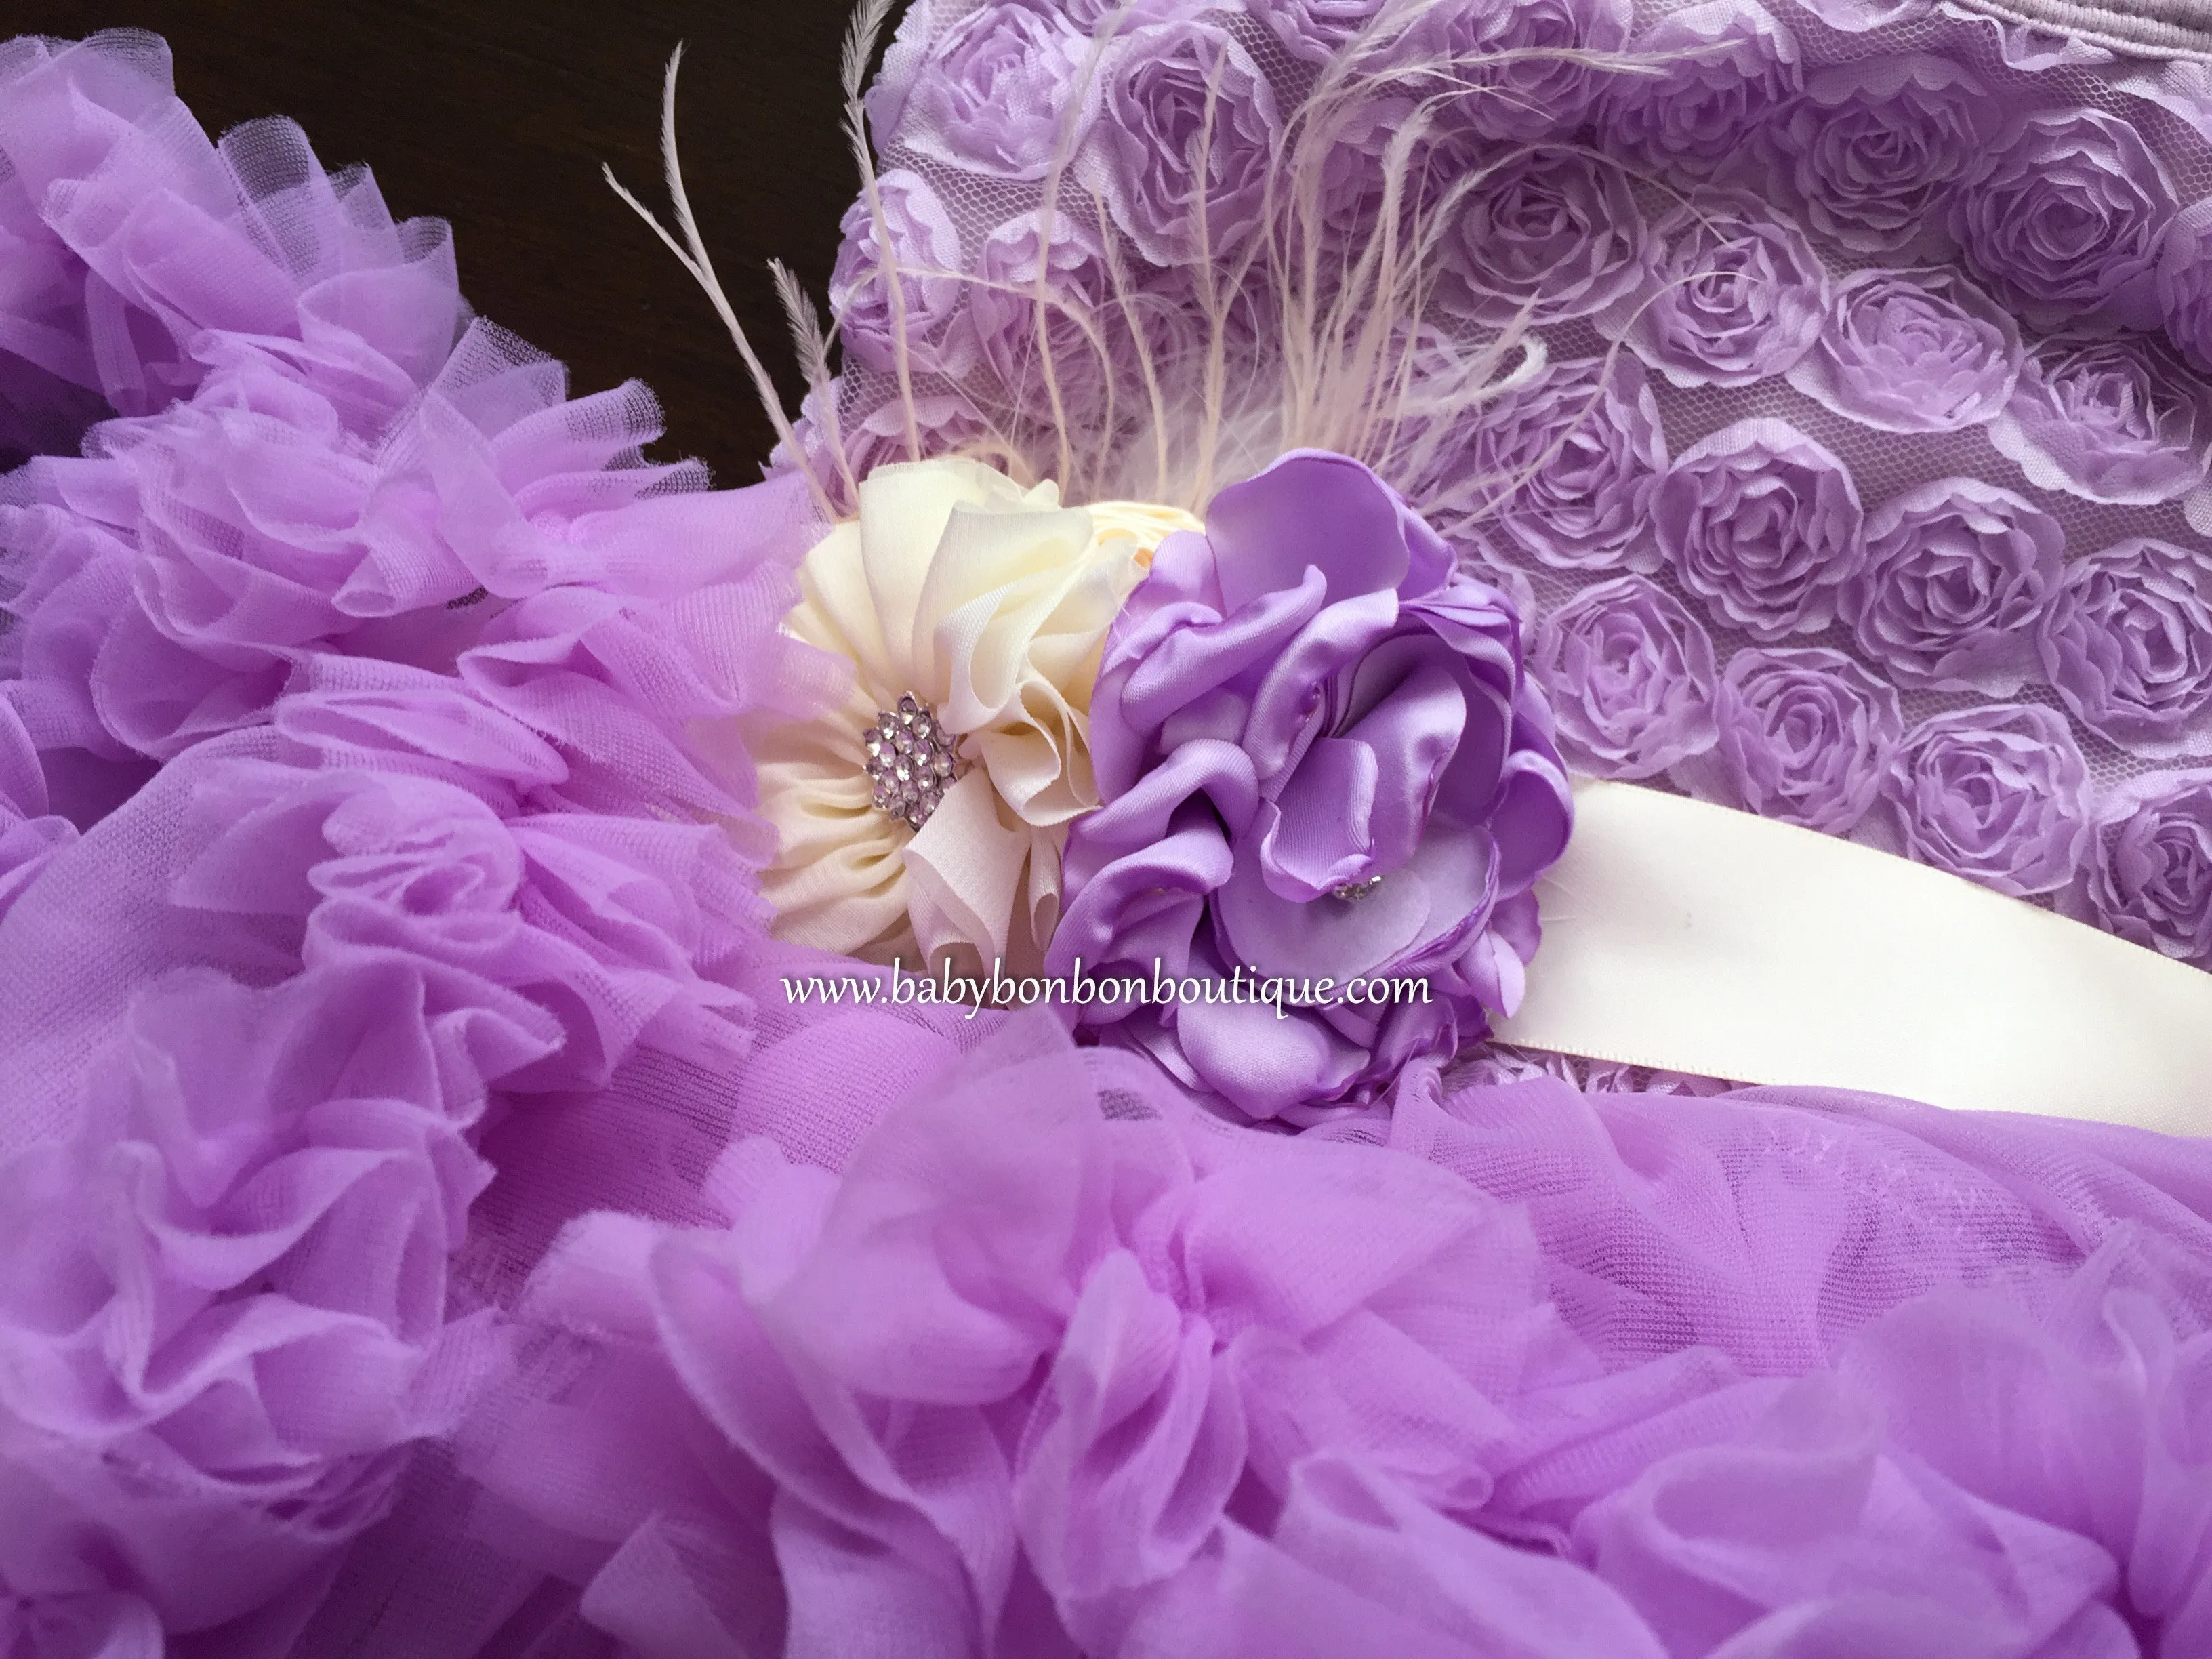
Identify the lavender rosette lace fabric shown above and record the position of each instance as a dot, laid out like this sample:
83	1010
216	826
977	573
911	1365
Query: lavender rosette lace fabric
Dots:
1876	331
432	1230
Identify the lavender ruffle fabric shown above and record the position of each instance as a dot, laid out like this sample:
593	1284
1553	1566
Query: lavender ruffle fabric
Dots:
431	1232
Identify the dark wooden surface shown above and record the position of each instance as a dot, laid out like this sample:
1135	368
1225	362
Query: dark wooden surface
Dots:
495	115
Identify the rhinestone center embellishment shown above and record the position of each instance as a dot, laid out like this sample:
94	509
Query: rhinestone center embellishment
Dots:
912	760
1355	890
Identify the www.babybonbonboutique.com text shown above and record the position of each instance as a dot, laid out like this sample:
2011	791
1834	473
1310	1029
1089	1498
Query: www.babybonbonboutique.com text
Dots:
999	989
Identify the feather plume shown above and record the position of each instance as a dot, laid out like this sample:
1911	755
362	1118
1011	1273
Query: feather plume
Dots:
691	254
1353	361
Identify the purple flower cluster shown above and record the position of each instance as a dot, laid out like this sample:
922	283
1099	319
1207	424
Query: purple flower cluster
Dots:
1631	675
1516	73
1997	795
1562	471
996	93
2117	421
1732	294
1875	148
1717	72
2150	874
2064	220
1187	134
1912	351
925	250
2185	282
1803	735
1319	758
1017	331
2128	641
1958	574
1546	235
1317	30
1764	524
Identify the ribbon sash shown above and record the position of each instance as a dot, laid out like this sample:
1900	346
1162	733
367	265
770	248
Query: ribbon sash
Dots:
1693	938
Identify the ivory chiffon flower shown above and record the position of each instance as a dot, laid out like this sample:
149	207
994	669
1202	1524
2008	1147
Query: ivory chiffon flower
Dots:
924	813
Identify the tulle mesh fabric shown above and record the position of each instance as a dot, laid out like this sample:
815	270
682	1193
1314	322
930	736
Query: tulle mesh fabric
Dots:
428	1228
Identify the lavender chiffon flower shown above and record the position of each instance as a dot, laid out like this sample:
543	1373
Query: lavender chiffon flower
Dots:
1164	92
1996	794
996	93
2063	220
2185	282
865	435
2127	640
1075	317
1561	473
1517	72
922	241
2117	421
1912	351
1732	294
1718	71
1871	154
1764	524
1631	675
1805	735
1547	235
2149	871
1354	185
1957	576
1317	30
1319	758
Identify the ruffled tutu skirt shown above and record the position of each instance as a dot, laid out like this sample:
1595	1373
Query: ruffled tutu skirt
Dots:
432	1229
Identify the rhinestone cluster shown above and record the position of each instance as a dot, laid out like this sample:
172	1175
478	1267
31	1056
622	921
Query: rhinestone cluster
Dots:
1354	889
911	760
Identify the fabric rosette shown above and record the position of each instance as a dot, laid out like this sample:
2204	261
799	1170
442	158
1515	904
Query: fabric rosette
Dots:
923	815
1320	765
1289	760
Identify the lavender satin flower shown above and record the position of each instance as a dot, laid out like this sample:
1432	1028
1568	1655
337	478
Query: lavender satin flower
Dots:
922	241
2185	282
1561	473
1717	72
1516	73
1996	794
996	93
2063	220
1764	524
2128	641
1631	675
1805	735
1319	759
1732	294
2118	421
1547	235
1078	313
1873	151
1957	576
2150	874
1163	90
1912	351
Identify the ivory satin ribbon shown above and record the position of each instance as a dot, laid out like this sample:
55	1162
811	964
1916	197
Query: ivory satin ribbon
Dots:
1691	937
